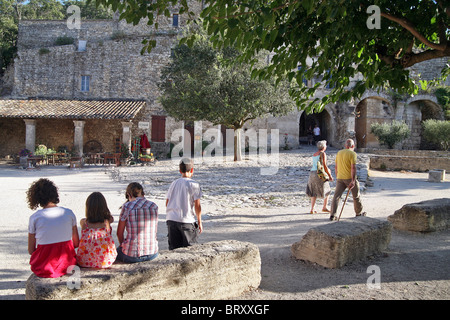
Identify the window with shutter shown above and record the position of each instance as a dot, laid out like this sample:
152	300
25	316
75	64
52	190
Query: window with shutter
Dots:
158	129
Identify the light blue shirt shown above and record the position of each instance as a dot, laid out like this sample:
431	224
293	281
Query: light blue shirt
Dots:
315	159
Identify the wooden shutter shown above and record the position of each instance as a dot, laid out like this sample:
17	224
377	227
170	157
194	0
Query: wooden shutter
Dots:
158	129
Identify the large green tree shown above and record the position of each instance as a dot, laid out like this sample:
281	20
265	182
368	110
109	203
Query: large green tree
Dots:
342	37
200	83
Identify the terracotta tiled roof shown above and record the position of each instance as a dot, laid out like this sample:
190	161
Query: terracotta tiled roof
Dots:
70	109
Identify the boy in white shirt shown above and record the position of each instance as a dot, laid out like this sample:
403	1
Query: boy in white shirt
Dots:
183	207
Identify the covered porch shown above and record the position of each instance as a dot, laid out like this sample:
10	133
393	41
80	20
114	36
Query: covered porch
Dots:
94	130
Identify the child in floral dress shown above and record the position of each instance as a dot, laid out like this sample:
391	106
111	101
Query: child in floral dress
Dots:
97	248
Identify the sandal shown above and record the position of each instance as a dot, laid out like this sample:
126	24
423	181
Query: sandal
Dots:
362	214
326	210
313	211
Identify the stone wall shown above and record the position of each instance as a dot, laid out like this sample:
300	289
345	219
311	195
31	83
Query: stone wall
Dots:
412	163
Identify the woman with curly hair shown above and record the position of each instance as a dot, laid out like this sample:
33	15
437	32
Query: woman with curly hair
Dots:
52	232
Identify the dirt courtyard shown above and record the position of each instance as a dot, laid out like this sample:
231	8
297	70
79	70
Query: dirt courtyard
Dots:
415	266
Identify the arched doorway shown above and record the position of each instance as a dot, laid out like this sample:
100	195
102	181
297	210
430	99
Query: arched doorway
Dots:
419	109
322	119
368	111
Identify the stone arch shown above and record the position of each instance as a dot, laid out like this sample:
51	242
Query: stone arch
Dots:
371	94
371	108
418	109
326	121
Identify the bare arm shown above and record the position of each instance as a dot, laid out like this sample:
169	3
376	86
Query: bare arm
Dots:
31	243
120	231
75	237
352	184
198	213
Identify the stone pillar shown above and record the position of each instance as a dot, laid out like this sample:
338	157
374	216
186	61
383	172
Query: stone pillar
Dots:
30	134
400	108
78	137
126	134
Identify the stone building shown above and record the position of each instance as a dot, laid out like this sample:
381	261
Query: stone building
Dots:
97	89
100	89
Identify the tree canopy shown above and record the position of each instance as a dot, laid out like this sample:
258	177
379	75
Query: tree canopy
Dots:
335	40
200	83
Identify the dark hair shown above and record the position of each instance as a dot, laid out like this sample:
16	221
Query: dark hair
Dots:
41	193
96	208
186	165
133	189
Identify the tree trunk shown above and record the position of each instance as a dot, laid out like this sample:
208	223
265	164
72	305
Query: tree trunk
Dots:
237	145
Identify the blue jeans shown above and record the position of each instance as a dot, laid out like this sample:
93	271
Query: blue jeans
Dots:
128	259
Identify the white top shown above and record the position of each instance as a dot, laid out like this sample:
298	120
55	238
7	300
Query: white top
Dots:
182	194
316	131
52	225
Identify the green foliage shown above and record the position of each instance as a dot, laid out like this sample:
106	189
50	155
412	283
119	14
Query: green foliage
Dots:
390	134
64	40
437	131
44	51
332	32
443	96
42	150
201	83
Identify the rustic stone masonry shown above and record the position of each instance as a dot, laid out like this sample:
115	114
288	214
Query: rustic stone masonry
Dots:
214	270
425	216
335	244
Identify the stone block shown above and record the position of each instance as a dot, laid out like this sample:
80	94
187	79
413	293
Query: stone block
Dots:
335	244
436	175
214	270
424	216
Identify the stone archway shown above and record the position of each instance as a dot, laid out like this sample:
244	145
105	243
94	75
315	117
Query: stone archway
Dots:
371	109
418	109
323	119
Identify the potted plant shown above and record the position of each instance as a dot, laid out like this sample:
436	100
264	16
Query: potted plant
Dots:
124	154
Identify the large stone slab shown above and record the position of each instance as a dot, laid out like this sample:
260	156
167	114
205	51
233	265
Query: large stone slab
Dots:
215	270
335	244
424	216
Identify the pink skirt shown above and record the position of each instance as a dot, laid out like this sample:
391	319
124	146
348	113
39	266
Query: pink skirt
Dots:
52	260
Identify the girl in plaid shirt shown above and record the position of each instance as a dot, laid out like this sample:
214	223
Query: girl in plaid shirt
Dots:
139	217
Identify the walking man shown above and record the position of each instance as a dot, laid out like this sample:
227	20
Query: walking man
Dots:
346	178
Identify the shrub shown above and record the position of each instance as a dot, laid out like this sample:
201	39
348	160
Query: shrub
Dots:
44	51
64	40
437	131
390	134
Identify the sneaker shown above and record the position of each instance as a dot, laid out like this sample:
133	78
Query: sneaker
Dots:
333	218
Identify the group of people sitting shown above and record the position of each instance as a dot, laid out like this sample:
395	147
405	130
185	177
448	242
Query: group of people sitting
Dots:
53	231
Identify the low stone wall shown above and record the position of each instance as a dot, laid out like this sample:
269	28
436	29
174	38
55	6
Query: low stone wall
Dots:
215	270
425	216
335	244
412	163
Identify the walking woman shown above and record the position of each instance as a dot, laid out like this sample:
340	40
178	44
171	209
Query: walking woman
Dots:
316	187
